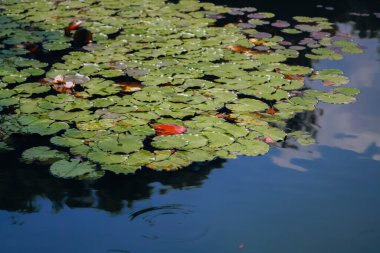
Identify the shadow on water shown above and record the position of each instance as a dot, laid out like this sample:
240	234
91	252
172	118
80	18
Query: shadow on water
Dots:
336	11
21	184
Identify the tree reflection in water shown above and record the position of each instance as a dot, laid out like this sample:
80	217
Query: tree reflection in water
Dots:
21	185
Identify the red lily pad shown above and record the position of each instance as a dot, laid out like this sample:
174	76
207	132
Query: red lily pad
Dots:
169	129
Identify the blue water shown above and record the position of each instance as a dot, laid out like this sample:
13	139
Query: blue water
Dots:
320	198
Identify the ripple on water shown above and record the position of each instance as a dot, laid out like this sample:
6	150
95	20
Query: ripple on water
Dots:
175	223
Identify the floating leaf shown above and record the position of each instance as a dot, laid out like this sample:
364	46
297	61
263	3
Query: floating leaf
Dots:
121	143
71	169
336	98
42	154
4	147
129	87
169	129
247	105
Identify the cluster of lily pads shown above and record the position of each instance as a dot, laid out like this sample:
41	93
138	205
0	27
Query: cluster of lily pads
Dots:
157	84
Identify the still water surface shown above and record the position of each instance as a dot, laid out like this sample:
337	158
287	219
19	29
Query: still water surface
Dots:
320	198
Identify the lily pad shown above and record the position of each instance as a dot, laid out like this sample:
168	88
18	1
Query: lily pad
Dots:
42	154
71	169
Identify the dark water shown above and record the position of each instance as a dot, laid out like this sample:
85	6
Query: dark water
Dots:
321	198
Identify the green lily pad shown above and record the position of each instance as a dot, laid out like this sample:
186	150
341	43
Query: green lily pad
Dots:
42	154
4	147
336	98
248	147
71	169
247	105
121	143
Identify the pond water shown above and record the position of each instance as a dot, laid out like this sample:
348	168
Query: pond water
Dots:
319	198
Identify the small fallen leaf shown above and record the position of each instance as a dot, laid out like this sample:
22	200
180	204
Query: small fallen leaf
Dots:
129	87
243	50
169	129
257	42
271	111
300	78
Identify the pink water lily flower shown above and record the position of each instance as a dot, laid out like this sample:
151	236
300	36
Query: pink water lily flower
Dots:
58	79
69	85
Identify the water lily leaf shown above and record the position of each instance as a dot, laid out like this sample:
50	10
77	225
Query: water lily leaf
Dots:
336	98
66	141
121	143
121	168
33	71
79	134
4	93
15	78
71	169
5	147
303	19
349	91
344	43
9	101
111	73
42	154
46	127
81	150
274	133
248	147
302	138
233	130
174	162
169	142
330	77
291	31
196	155
247	105
218	139
106	158
352	50
31	88
148	96
97	86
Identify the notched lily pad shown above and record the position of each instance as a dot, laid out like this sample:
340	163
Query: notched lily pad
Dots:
72	168
43	155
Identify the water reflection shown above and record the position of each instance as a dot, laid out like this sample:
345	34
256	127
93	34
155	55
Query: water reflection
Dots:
21	185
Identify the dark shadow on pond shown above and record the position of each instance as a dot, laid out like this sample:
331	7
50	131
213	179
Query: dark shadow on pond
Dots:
21	185
336	11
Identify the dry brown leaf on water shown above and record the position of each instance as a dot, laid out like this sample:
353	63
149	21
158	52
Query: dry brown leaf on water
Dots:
129	87
243	50
257	42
